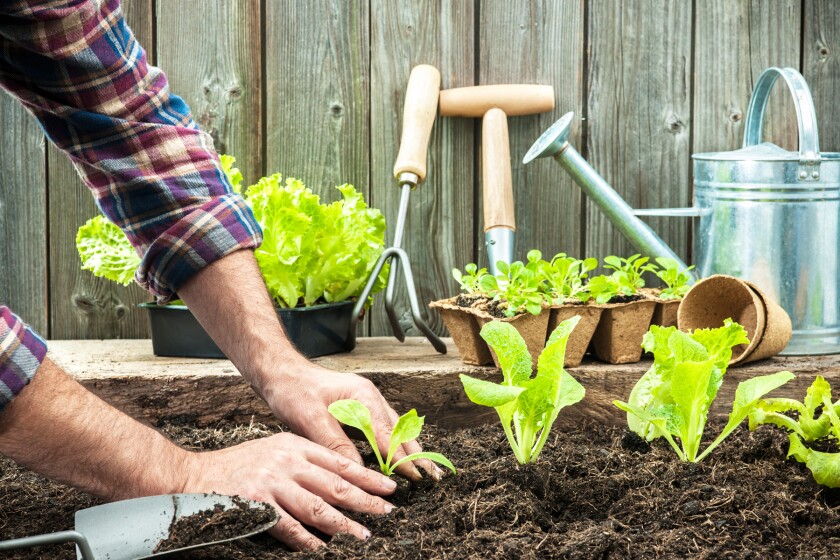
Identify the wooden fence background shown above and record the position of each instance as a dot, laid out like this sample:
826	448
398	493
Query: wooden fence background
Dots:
314	89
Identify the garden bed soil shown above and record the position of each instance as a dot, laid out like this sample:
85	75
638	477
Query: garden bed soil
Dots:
595	492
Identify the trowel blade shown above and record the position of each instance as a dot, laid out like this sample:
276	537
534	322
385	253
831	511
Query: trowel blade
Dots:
130	529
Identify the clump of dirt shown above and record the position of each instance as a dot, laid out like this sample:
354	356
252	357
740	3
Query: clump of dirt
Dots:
593	493
471	300
216	524
626	299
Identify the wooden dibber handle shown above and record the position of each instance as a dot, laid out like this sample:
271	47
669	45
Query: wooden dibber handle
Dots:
514	99
421	100
495	171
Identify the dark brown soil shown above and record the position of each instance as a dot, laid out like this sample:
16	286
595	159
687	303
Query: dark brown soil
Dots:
626	299
471	300
216	524
595	492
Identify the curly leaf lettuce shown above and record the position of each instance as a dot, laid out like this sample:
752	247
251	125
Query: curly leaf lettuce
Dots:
315	252
106	251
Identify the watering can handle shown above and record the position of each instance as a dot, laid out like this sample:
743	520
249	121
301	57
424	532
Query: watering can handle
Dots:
809	145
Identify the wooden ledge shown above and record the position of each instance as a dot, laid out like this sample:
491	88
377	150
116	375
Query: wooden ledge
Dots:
410	375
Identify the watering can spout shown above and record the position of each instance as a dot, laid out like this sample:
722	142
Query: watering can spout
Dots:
554	142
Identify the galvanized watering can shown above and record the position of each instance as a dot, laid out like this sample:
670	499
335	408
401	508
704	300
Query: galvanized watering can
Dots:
760	213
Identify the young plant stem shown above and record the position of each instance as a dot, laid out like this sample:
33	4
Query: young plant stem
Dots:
513	443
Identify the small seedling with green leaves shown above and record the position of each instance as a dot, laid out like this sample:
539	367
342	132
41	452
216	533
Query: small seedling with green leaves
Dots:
672	399
408	427
527	406
817	418
630	269
676	279
604	288
470	279
517	285
565	277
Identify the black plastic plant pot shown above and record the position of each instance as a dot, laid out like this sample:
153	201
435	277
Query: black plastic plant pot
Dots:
318	330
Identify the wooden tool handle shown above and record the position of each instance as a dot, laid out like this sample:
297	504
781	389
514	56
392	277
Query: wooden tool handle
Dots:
421	99
513	99
495	171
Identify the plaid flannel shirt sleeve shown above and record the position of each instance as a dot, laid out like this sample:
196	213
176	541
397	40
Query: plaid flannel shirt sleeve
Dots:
21	353
77	67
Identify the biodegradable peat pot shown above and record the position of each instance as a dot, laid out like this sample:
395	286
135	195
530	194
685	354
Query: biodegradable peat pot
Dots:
464	329
317	330
720	297
533	329
579	340
665	313
618	338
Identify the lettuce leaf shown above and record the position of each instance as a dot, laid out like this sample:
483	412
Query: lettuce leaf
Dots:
315	252
106	251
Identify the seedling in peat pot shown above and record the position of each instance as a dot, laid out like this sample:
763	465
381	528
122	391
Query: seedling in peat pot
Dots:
672	399
470	279
408	427
565	277
518	285
675	279
632	268
527	406
605	288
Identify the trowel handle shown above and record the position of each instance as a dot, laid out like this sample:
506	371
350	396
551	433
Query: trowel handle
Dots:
495	171
421	100
51	538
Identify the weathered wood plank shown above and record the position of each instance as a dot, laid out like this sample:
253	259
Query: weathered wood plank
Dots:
639	115
410	375
821	67
23	215
440	233
734	43
213	62
82	306
537	43
318	93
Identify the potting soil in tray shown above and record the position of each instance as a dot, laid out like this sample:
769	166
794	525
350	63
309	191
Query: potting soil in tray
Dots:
594	493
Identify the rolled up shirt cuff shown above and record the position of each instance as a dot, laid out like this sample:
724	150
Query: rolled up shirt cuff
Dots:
221	226
21	354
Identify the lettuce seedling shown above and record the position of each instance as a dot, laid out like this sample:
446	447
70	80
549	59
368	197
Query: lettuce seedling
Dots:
807	427
470	279
630	269
518	285
408	427
106	252
565	277
672	399
527	406
605	288
676	280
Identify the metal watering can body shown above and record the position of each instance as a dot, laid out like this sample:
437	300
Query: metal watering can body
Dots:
772	217
760	213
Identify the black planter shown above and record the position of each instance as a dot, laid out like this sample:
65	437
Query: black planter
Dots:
318	330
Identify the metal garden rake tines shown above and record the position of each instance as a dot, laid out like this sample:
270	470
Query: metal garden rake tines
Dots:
421	102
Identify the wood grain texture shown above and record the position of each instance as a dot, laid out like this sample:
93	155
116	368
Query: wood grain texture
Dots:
734	43
317	93
639	116
81	305
23	215
538	42
439	232
821	68
410	375
213	62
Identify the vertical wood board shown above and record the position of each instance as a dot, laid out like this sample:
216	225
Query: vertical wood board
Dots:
821	68
439	231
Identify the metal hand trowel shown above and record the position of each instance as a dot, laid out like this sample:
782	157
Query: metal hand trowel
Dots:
130	529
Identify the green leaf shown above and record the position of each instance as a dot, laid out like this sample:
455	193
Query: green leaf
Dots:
487	393
106	251
353	413
825	467
510	348
747	396
407	428
436	457
689	389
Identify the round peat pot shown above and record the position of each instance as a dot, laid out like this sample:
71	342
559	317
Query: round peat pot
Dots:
318	330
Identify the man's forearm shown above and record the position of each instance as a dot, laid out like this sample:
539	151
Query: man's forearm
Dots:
230	300
56	423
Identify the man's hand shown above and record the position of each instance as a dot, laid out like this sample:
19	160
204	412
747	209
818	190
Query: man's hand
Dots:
304	481
300	399
230	301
